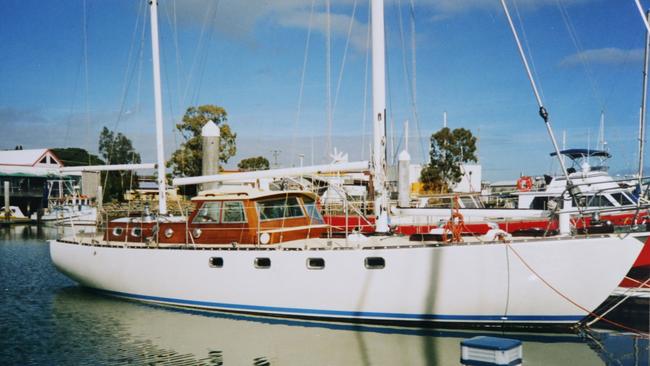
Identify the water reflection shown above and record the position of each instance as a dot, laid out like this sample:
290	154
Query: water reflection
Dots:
121	332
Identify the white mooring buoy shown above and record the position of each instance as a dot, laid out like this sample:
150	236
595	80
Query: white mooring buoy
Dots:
490	351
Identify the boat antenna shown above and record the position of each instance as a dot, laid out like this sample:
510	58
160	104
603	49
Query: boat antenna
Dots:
160	151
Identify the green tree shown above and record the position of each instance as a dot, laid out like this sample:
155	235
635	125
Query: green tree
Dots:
449	150
117	149
255	163
74	156
187	160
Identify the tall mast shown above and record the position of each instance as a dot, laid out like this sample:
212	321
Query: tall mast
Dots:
379	110
643	111
160	151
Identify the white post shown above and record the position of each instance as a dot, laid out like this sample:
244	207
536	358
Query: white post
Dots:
7	201
565	217
379	115
403	183
160	151
210	134
99	202
403	167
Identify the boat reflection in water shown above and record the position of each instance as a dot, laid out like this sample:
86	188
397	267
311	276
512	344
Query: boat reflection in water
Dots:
123	332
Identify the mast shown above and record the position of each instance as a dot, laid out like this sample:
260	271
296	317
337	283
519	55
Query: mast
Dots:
379	113
643	110
160	151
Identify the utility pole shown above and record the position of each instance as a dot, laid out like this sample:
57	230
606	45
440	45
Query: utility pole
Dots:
275	153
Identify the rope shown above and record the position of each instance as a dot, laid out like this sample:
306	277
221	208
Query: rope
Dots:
619	302
558	292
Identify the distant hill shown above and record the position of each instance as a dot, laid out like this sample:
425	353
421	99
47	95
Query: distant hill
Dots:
74	156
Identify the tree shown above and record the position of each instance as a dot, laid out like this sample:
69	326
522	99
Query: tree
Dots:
449	150
74	156
256	163
187	160
117	149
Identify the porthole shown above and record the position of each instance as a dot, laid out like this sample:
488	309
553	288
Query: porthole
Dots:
315	263
265	238
136	232
216	262
196	233
263	262
118	231
169	232
375	262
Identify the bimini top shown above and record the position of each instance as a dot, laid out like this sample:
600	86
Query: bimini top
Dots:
584	153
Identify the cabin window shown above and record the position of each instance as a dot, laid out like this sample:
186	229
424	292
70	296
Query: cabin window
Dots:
593	201
312	211
468	202
208	213
233	212
375	262
44	160
263	262
621	198
279	208
216	262
315	263
136	232
118	231
539	203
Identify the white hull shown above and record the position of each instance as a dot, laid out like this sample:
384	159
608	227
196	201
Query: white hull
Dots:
477	283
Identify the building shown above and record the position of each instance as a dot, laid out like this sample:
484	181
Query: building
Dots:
33	176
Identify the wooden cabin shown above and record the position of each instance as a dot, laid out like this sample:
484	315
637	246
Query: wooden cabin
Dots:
242	216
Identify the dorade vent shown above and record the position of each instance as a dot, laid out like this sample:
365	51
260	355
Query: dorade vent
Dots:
375	262
118	231
315	263
136	232
216	262
263	262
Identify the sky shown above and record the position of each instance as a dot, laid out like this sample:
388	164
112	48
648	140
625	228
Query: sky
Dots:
70	67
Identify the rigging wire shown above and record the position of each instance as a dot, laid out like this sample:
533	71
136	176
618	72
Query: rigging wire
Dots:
578	46
197	51
345	54
128	77
409	75
529	52
302	84
204	56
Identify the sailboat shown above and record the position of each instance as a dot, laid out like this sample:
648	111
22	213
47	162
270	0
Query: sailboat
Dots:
267	252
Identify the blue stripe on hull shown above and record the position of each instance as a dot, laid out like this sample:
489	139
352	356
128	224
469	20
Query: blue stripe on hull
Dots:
349	314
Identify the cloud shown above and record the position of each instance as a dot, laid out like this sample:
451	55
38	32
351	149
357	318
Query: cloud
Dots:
239	18
603	56
444	9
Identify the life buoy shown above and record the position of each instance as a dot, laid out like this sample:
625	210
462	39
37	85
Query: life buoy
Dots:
524	184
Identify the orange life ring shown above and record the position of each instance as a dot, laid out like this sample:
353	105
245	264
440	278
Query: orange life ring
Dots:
524	184
455	227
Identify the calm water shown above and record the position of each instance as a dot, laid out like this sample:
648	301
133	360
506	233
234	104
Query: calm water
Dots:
46	319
